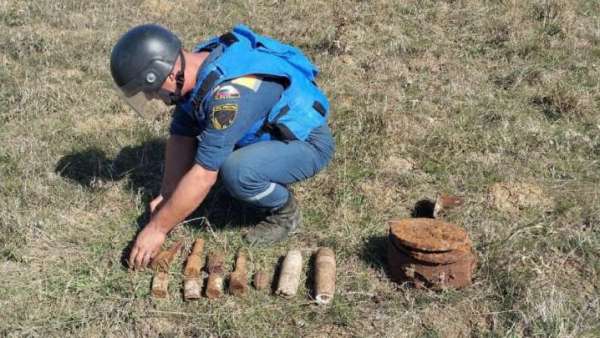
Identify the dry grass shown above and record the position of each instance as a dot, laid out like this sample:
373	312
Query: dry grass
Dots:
428	96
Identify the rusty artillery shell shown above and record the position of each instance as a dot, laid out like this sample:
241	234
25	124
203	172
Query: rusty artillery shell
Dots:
160	285
214	284
192	288
192	283
162	261
238	282
289	279
193	265
324	276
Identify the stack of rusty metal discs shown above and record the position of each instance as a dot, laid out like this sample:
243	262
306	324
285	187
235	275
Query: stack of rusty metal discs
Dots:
430	253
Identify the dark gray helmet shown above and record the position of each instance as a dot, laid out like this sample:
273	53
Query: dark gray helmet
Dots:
143	58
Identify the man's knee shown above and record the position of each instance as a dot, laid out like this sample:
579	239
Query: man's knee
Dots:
239	179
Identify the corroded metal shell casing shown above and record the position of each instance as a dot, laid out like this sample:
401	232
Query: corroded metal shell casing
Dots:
160	285
214	284
192	281
238	281
324	276
289	278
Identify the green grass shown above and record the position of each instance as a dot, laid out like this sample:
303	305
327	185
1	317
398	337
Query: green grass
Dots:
427	97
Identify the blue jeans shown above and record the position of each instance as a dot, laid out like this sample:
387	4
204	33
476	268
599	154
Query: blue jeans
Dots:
259	173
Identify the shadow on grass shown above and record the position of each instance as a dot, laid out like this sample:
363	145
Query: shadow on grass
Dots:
310	276
374	252
276	274
142	166
224	211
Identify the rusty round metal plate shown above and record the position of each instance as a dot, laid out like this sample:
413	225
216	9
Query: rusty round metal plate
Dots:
445	257
427	234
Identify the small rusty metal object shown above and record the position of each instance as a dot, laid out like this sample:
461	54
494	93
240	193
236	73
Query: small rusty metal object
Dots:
445	202
261	280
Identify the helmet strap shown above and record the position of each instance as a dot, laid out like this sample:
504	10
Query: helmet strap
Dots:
179	80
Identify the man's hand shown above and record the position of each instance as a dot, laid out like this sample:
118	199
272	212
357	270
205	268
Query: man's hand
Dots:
147	244
189	193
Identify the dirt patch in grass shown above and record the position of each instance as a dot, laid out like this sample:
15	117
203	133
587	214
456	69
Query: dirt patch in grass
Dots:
396	166
512	197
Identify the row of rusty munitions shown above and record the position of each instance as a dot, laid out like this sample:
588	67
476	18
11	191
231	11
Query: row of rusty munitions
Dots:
287	286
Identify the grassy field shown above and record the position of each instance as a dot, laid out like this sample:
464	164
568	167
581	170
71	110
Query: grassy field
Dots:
427	96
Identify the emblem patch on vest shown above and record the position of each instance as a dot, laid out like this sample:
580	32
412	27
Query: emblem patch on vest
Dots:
223	115
226	92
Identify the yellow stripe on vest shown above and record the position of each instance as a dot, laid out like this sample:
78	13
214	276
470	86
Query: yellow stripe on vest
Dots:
250	82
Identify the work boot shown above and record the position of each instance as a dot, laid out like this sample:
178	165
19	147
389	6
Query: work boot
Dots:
277	225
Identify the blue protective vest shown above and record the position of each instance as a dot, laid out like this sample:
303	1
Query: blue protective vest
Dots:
302	106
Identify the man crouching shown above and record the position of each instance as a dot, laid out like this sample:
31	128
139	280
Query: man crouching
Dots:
246	106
